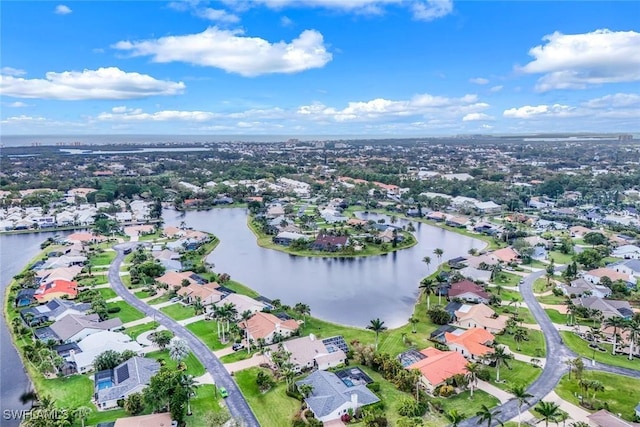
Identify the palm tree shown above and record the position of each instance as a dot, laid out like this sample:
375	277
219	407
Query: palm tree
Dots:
189	385
198	306
302	309
595	386
633	328
500	357
549	411
413	320
438	253
428	288
427	260
520	335
178	350
305	390
615	322
454	417
520	393
485	414
473	369
377	326
82	412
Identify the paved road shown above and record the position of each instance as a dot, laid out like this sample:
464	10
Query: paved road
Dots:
235	402
557	354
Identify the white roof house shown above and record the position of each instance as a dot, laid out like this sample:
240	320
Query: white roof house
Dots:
98	343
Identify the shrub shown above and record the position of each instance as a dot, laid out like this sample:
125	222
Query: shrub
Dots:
113	309
484	375
375	387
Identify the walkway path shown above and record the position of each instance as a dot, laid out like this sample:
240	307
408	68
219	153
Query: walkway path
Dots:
236	403
502	395
256	360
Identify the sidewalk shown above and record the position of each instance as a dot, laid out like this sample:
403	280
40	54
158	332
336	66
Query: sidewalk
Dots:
502	395
256	360
575	413
138	322
192	319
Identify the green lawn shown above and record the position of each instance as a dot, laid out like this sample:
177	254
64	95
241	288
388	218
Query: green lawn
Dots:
204	402
194	367
135	331
142	294
158	300
507	295
151	236
241	289
178	311
540	286
620	392
107	293
237	356
94	279
464	404
126	313
102	259
581	347
534	346
553	299
507	279
561	319
523	313
207	332
560	258
520	373
273	408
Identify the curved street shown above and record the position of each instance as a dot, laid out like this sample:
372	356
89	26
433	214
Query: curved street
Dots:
238	406
557	354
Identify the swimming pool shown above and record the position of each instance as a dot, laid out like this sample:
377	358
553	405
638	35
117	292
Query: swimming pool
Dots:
347	382
106	383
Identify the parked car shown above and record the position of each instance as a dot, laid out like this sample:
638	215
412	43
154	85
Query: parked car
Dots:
223	392
237	346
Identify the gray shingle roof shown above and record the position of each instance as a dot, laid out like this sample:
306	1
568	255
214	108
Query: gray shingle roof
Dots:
329	393
127	376
71	324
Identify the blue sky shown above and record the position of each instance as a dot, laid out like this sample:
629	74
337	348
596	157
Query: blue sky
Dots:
320	67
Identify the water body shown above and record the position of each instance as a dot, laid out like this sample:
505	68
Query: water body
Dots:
349	291
15	252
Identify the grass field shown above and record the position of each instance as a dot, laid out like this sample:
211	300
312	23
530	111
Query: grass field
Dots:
581	347
620	392
135	331
522	373
237	356
158	300
126	313
107	293
204	402
523	313
207	332
507	295
534	346
540	286
467	406
273	408
507	279
194	367
102	259
178	311
142	294
241	289
560	258
552	299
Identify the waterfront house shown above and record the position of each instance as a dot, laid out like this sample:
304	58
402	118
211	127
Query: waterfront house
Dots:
329	242
468	291
437	366
473	343
311	352
93	345
285	238
53	310
56	289
267	326
74	327
125	379
479	316
242	303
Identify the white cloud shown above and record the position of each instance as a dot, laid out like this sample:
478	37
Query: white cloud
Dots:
61	9
10	71
129	114
217	15
286	21
103	83
618	100
529	111
476	117
22	119
497	88
576	61
17	104
431	9
479	80
235	53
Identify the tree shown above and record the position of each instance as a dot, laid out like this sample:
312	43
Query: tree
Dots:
178	350
427	261
439	316
454	417
198	306
377	326
438	253
485	414
413	320
264	381
520	393
108	359
500	357
473	369
549	272
549	411
161	338
189	385
633	328
589	258
594	239
615	322
520	335
302	309
166	390
82	412
305	390
428	287
134	404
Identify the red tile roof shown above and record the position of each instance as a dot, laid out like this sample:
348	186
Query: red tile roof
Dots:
439	365
473	340
465	286
66	287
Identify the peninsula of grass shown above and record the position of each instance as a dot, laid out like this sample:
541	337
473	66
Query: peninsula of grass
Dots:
620	392
241	289
207	332
178	311
135	331
533	346
194	367
580	346
561	319
127	313
371	249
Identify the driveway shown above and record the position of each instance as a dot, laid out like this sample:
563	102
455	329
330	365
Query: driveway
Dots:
238	406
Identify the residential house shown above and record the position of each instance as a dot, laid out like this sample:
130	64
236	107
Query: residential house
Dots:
468	291
285	238
25	297
630	267
507	255
60	273
457	221
483	260
476	274
95	344
596	275
208	293
607	307
581	287
579	231
436	216
267	326
310	352
129	377
472	343
85	237
54	310
331	398
626	252
539	241
329	242
56	289
162	419
604	418
489	207
242	303
480	316
438	366
174	278
74	327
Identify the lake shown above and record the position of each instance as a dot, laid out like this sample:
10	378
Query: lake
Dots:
348	291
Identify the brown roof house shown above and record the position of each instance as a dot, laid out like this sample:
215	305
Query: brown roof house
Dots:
472	343
311	352
208	293
267	326
480	316
329	242
468	291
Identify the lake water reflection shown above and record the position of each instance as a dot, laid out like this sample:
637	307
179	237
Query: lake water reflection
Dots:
349	291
